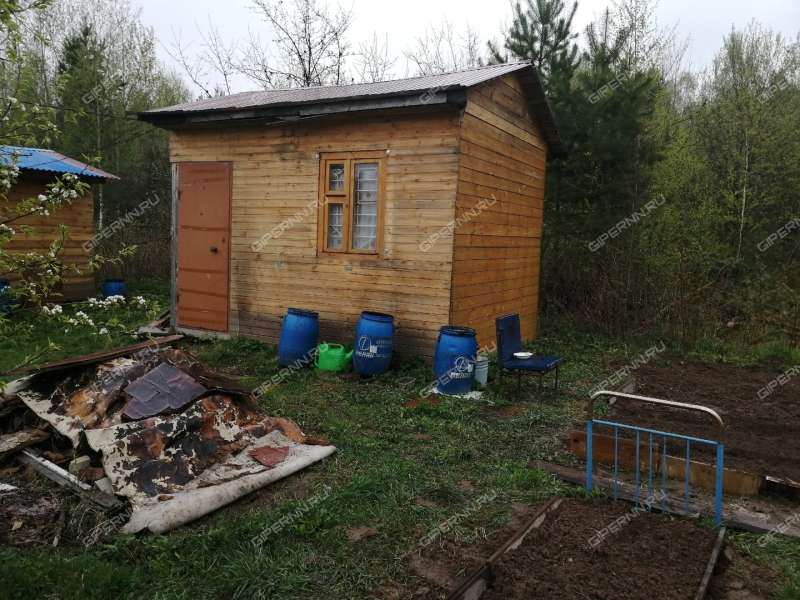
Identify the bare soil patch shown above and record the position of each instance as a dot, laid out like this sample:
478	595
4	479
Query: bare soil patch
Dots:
762	436
648	552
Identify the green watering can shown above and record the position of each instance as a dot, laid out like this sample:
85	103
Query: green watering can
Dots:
332	357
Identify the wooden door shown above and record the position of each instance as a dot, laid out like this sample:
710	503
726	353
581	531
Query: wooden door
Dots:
203	261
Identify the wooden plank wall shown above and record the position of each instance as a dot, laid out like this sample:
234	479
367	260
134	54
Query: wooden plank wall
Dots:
275	178
78	217
497	249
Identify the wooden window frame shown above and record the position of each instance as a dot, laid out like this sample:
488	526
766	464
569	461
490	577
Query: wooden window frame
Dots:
327	165
347	199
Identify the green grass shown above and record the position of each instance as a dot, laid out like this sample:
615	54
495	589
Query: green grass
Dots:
778	551
31	338
398	470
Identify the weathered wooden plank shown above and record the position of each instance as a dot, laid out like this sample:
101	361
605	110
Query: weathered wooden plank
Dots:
497	246
701	474
79	219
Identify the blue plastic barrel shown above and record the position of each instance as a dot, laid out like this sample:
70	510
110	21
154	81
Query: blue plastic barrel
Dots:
374	342
114	287
299	338
454	361
5	296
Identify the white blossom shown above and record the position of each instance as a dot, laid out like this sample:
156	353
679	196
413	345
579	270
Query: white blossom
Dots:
54	311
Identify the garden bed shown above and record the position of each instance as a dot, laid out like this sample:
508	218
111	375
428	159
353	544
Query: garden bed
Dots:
600	550
761	432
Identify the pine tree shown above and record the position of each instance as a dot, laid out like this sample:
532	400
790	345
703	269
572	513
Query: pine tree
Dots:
542	33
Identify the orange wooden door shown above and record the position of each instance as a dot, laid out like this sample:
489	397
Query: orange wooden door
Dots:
204	233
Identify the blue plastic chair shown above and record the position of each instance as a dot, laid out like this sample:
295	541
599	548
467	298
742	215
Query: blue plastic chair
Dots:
509	341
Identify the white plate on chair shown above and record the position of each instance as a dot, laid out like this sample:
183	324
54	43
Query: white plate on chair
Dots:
523	355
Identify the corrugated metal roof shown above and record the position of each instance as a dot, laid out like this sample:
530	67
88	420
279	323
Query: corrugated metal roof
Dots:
289	104
41	159
332	93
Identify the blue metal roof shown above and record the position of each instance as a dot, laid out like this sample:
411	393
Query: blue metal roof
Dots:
39	159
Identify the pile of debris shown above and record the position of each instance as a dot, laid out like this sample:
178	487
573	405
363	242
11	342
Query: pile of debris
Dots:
150	440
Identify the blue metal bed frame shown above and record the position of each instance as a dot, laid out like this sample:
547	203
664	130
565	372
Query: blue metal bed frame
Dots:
661	436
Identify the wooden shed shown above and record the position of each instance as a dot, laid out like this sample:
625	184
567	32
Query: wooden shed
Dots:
421	198
39	167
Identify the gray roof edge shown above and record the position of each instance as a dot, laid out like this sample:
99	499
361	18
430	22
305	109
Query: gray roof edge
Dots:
154	115
294	113
539	104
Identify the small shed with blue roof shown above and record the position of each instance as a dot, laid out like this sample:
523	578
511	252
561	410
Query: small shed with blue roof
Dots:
37	168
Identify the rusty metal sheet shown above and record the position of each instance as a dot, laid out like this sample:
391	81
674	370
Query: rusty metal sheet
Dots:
161	454
200	458
96	404
269	456
163	389
173	468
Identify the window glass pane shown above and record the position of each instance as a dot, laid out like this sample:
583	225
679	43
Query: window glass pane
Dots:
336	178
365	214
335	226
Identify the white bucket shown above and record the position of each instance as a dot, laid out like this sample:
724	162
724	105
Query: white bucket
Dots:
482	370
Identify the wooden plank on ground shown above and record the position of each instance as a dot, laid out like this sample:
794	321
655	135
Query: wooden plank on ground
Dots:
96	357
738	518
68	480
701	474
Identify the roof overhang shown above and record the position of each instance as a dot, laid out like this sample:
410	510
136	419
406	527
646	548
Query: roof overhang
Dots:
453	96
36	174
539	106
44	162
295	112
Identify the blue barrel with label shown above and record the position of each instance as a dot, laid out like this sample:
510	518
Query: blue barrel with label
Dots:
299	338
5	297
114	287
374	342
454	361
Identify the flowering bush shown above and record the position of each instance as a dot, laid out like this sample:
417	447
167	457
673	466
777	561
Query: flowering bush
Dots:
51	312
101	316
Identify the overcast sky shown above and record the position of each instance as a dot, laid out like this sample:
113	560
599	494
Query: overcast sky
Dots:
702	22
